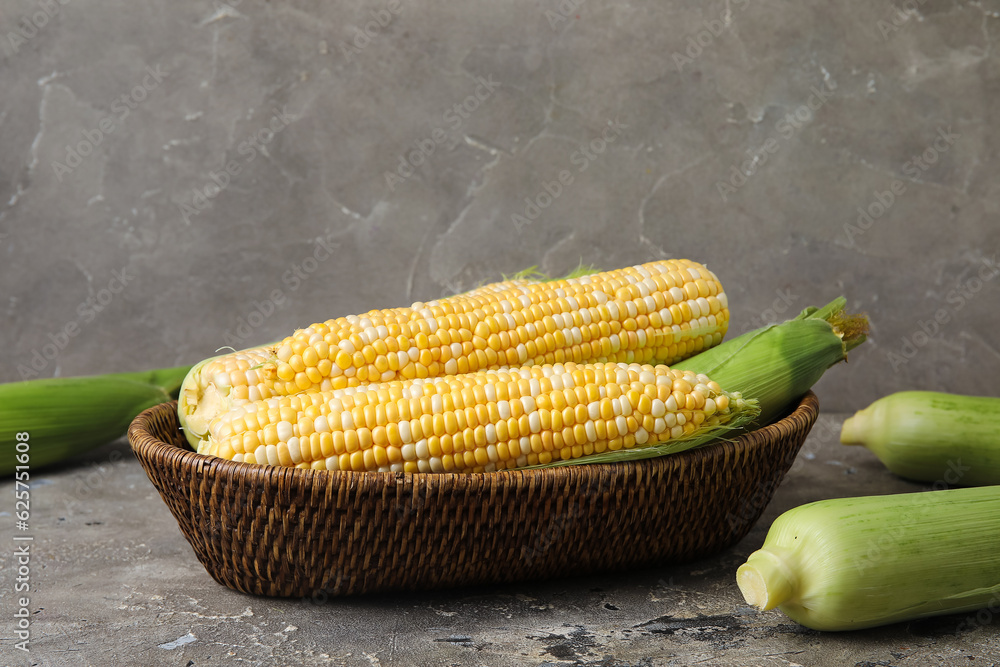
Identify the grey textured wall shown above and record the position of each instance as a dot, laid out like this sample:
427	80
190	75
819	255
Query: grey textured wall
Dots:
745	134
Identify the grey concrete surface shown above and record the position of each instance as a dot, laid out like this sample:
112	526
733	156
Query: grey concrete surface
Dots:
115	583
167	171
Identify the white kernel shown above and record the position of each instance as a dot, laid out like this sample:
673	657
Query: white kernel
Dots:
591	431
659	426
521	461
647	377
594	409
626	406
436	464
670	404
534	422
670	419
491	451
437	404
346	420
613	309
409	452
622	425
395	467
294	451
676	432
525	444
659	409
333	463
681	419
423	465
347	346
710	407
641	436
404	431
631	309
677	294
491	392
528	403
271	452
503	408
491	433
285	431
320	424
421	449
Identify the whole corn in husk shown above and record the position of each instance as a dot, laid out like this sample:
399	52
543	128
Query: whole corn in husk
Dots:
778	363
853	563
69	416
931	436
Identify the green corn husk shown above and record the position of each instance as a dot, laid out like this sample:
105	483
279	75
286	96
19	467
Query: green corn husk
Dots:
853	563
68	416
932	436
777	364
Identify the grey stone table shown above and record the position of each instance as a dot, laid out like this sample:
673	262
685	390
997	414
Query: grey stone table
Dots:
113	582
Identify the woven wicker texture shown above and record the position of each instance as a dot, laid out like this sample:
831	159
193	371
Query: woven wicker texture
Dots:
299	533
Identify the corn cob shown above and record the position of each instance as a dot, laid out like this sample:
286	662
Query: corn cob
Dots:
852	563
68	416
931	436
478	422
663	311
778	363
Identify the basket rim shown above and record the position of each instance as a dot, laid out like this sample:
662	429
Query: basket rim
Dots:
144	440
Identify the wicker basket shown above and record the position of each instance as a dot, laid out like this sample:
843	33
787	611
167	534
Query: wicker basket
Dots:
298	533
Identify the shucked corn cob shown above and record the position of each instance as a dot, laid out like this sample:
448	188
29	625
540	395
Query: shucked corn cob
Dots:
663	311
477	422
